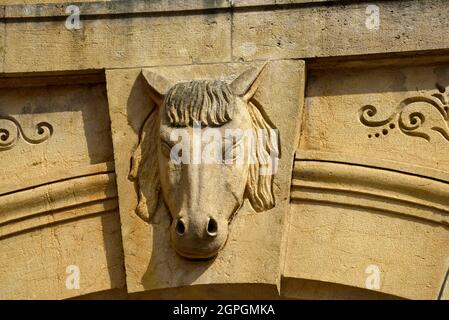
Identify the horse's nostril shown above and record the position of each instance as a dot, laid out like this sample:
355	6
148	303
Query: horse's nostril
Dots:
180	227
212	227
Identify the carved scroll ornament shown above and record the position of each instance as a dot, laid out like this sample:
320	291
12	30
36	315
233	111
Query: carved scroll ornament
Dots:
410	123
11	130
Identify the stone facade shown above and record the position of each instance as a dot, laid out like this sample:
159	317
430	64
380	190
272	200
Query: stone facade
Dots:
342	192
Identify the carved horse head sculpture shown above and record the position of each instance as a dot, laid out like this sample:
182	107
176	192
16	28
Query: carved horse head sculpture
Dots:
202	198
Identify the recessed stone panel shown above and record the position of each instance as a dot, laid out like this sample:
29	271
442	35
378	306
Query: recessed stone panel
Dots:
58	196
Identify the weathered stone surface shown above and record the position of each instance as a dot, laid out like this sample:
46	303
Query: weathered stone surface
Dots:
112	43
370	185
74	123
42	8
54	8
249	3
294	30
322	31
351	116
58	196
33	265
344	240
38	2
358	208
148	252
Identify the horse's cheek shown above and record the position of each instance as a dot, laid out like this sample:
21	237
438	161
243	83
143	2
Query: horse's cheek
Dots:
236	176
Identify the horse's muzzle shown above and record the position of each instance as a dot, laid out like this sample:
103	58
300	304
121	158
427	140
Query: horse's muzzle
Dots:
198	238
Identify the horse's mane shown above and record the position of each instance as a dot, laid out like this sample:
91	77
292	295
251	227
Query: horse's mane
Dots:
208	102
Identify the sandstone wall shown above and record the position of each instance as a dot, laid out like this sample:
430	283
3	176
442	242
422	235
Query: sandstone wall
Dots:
357	90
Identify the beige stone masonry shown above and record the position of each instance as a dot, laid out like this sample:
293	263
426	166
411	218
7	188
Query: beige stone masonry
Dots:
370	184
358	117
148	34
58	195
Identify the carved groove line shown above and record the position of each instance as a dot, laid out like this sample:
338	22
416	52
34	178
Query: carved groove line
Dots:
57	195
410	124
366	187
10	136
377	164
57	202
370	201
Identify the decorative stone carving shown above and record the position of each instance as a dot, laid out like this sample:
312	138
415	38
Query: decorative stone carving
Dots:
368	187
199	223
410	123
391	115
383	201
11	131
228	211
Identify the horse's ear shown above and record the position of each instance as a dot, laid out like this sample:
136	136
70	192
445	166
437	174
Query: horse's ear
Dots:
159	85
246	84
144	168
